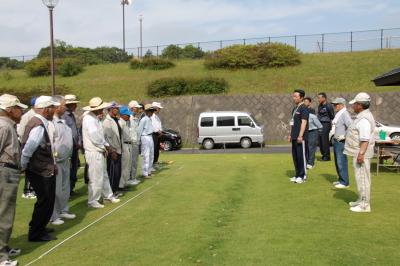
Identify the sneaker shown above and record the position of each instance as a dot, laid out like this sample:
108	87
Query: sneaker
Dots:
153	170
67	215
113	199
147	177
354	203
9	263
292	179
299	180
57	221
96	205
12	252
136	181
131	182
118	194
341	186
360	208
309	166
29	195
335	183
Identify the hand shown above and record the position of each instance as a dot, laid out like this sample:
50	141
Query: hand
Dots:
360	158
114	156
299	140
289	139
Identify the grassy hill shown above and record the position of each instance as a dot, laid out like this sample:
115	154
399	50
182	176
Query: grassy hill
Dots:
318	72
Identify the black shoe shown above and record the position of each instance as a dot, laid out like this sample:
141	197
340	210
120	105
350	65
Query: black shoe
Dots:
12	252
49	230
326	159
43	238
72	193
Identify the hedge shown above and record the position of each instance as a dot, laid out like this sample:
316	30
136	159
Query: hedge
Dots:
152	63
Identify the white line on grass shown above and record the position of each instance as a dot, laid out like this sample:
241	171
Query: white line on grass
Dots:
94	222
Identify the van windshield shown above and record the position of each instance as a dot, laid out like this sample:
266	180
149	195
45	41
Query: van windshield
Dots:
255	121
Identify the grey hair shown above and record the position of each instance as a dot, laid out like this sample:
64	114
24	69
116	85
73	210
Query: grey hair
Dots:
365	105
58	98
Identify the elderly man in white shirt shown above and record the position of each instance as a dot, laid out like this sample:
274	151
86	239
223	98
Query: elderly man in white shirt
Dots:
360	144
63	145
96	151
145	132
157	126
126	162
133	125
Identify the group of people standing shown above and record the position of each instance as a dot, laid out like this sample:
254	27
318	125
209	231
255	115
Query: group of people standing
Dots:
333	123
44	143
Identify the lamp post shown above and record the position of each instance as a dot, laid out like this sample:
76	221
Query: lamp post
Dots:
141	35
51	4
124	3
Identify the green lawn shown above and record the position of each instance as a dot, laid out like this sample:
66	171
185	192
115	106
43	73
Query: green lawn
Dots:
232	209
347	72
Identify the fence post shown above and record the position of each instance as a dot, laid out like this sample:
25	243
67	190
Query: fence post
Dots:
295	41
269	39
198	45
157	50
244	41
220	44
322	43
23	59
381	39
351	41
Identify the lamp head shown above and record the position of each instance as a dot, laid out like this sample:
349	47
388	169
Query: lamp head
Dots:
50	3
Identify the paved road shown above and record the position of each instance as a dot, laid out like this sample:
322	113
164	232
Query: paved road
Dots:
268	150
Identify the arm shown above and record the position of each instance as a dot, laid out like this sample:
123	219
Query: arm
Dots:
364	128
317	122
140	128
331	112
302	129
94	135
3	139
31	145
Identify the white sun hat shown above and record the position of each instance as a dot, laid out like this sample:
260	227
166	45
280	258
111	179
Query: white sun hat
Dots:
157	104
96	103
8	100
133	104
45	101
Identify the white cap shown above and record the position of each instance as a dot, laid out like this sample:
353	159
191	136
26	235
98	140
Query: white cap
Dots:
157	104
70	98
7	100
361	97
45	101
133	104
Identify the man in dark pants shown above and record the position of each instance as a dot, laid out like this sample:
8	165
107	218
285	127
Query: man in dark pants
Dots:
298	136
38	162
157	126
71	102
325	116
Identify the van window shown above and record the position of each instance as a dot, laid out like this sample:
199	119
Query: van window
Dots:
244	121
207	122
226	121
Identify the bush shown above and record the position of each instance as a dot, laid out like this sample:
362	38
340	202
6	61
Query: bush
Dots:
152	63
180	86
188	52
38	67
25	94
6	62
263	55
70	67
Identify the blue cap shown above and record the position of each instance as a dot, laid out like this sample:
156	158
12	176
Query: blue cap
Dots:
33	101
124	110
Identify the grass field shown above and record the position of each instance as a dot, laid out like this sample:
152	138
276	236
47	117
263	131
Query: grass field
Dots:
228	210
347	72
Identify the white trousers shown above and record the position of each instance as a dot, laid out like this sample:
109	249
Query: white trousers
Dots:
363	179
62	189
126	164
147	153
99	183
135	160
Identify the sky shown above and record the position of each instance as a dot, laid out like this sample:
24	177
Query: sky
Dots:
24	24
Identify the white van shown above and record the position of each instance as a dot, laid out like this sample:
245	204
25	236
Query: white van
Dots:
228	127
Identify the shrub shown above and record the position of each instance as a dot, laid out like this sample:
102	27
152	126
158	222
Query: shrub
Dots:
172	51
188	52
25	94
70	67
192	52
6	62
7	75
180	86
38	67
152	63
263	55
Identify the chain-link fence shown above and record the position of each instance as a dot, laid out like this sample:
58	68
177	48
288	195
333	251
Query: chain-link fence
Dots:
313	43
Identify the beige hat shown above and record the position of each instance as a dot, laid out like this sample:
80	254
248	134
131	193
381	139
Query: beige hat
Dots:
149	107
7	100
361	97
132	104
70	98
96	103
157	104
45	101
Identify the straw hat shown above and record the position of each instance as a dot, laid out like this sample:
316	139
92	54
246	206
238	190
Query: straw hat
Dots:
157	104
70	98
134	104
96	103
149	107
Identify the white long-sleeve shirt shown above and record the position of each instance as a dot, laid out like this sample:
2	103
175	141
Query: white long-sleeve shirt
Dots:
93	134
63	140
35	138
155	120
145	127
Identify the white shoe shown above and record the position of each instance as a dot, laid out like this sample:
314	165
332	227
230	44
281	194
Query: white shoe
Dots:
360	208
29	195
131	182
153	170
354	203
96	205
113	199
292	179
335	183
299	180
57	221
137	181
9	263
67	215
340	186
309	166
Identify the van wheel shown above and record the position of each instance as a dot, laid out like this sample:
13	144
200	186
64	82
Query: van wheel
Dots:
245	143
208	144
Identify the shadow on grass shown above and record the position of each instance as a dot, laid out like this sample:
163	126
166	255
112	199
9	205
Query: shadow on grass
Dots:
290	173
330	178
345	195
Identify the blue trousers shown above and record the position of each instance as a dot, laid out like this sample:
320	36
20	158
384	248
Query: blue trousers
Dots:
341	162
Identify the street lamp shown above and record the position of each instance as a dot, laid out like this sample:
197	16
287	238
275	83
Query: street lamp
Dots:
51	4
124	3
141	35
